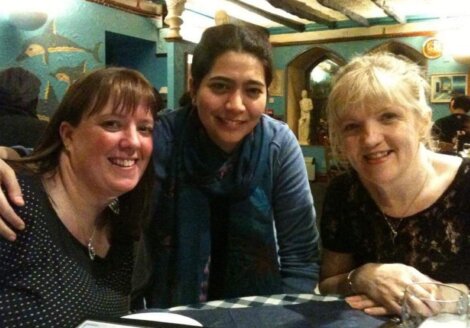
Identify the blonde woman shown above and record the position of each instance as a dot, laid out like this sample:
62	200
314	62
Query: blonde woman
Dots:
400	213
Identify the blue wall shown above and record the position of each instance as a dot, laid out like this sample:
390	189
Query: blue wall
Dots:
84	25
161	79
176	67
131	52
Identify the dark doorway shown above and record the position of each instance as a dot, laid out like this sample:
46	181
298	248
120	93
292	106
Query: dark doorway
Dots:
131	52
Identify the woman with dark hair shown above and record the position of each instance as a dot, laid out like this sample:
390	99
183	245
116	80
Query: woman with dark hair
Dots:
232	209
233	213
86	190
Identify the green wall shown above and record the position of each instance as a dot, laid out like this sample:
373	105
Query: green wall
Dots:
82	25
283	55
176	68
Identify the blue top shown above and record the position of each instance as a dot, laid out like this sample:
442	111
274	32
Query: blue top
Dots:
227	225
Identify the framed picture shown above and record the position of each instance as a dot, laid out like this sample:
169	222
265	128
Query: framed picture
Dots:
277	85
444	86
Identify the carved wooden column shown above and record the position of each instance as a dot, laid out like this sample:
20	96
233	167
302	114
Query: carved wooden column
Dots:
173	18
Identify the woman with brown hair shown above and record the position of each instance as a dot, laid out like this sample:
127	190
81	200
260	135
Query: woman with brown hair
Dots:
86	190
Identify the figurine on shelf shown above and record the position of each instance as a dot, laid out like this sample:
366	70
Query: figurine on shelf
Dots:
306	106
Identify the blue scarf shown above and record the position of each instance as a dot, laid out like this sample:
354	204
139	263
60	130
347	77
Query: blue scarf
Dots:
213	220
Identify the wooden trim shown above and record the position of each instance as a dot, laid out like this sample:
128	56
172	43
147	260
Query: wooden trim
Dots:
275	18
428	28
127	8
382	4
345	11
303	10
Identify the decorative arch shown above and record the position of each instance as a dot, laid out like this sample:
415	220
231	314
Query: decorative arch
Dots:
297	72
400	48
298	69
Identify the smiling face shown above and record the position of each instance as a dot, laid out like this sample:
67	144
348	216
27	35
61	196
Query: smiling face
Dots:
380	144
231	98
109	150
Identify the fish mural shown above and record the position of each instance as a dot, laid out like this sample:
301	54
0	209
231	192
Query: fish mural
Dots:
50	42
47	105
69	74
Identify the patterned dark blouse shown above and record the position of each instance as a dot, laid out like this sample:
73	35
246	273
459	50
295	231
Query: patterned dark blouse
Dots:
436	241
46	276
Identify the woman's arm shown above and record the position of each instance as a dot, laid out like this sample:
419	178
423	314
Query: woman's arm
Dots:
334	273
9	220
294	217
378	287
336	277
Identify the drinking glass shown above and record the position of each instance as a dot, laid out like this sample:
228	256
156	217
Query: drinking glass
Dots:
466	148
434	305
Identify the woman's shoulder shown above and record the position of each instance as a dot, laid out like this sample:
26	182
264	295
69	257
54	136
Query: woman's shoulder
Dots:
463	172
451	169
165	123
346	179
33	194
273	123
30	184
36	226
278	131
347	187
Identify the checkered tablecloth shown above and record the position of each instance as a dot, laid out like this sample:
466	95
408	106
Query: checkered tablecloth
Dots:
253	301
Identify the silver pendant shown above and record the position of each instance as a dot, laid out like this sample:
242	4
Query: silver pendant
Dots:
91	250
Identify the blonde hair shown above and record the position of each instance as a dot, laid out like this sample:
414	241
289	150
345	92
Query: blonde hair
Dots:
380	78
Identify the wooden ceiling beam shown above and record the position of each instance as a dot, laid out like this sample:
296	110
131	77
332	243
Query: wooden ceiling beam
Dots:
238	21
302	10
345	11
390	11
275	18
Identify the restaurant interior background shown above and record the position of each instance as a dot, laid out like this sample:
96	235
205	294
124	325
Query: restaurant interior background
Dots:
58	40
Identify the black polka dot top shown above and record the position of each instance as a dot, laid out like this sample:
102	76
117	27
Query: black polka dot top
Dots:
46	276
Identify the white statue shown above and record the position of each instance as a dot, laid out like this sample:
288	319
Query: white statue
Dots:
221	17
306	106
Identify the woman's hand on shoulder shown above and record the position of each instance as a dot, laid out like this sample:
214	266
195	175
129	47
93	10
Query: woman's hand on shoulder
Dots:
9	220
384	285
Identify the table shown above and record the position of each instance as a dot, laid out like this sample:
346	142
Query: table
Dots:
284	310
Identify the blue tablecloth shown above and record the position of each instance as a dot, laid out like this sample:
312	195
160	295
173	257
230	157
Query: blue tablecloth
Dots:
299	311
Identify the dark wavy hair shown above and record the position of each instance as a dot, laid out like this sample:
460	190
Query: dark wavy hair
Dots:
217	40
462	102
126	89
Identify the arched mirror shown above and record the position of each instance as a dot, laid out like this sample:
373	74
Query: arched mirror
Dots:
319	85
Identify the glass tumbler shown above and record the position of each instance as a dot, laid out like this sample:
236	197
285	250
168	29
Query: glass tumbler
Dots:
434	305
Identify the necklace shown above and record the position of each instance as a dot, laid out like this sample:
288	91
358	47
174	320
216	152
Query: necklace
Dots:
114	207
91	248
394	228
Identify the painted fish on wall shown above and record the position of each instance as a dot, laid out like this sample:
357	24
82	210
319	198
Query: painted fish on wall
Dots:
50	42
69	74
48	104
